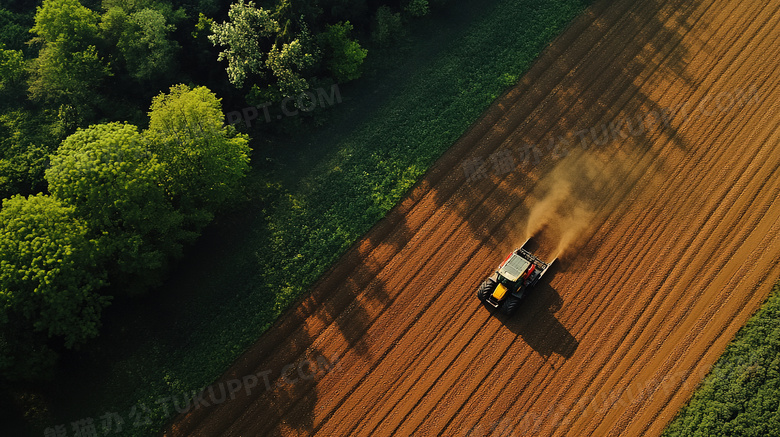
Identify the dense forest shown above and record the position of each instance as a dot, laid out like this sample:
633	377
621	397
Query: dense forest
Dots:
115	153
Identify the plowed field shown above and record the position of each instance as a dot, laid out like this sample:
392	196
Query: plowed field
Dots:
642	150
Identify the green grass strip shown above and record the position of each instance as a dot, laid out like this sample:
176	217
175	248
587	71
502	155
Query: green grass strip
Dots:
741	394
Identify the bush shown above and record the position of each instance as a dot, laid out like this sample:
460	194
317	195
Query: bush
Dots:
387	27
343	56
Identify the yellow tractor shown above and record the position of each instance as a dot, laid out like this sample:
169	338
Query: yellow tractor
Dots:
519	272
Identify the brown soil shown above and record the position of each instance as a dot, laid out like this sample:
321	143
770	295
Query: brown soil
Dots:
667	237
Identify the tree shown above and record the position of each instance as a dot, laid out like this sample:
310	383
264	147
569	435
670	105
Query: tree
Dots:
48	272
11	76
68	66
109	176
205	160
293	16
11	66
67	23
245	36
149	51
13	31
25	144
142	41
256	44
202	27
343	56
286	63
62	77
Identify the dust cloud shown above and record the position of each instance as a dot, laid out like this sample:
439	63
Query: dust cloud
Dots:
564	204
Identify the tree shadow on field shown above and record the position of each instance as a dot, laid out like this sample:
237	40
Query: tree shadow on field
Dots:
604	69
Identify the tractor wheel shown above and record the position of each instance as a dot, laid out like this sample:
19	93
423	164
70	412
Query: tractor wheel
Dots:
487	287
510	306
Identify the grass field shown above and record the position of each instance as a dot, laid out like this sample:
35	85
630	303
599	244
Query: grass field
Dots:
741	394
254	264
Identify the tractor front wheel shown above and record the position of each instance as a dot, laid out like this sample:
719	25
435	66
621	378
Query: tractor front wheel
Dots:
487	287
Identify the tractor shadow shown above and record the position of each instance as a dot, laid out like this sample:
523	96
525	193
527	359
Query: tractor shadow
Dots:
535	321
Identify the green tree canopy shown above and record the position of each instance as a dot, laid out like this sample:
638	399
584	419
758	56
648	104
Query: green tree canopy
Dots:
416	8
387	27
293	16
111	178
286	63
11	67
68	66
344	56
205	160
246	38
63	77
25	144
48	273
142	41
66	22
257	44
13	31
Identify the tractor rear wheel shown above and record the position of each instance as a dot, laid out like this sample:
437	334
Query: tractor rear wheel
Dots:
487	287
510	306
